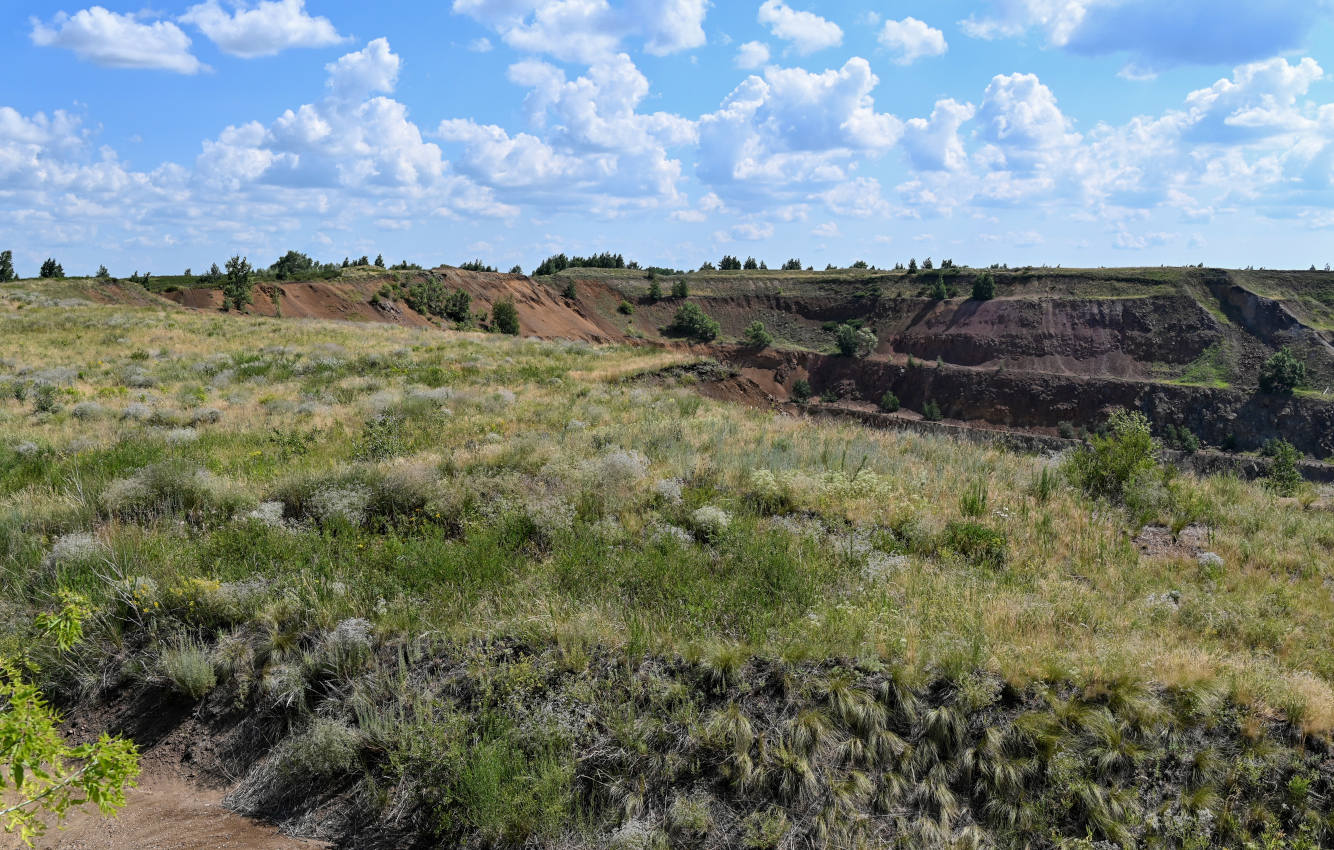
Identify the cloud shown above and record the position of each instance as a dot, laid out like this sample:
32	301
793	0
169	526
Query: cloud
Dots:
269	28
595	142
828	230
806	31
119	41
1020	117
371	69
1157	33
933	144
793	126
749	231
859	198
752	55
911	39
588	31
481	45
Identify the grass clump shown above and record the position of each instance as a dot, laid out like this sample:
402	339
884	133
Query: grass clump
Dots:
189	668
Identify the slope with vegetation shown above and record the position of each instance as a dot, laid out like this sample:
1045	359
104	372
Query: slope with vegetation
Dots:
424	589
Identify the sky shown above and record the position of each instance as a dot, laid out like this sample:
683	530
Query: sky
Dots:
1072	132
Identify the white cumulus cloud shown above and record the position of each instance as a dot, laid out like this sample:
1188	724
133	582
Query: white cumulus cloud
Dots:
588	31
911	39
119	41
808	32
371	69
752	55
268	28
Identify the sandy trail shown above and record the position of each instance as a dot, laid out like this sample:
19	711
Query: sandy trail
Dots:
168	814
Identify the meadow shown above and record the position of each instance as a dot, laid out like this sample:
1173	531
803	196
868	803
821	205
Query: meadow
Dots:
492	591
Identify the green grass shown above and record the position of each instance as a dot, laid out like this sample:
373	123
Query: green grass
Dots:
533	592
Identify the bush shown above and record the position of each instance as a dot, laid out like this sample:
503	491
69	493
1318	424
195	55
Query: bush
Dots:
1282	373
1283	477
625	308
801	391
757	336
855	342
171	488
505	317
654	290
931	411
1110	464
691	321
326	749
889	402
709	522
680	289
569	290
982	546
939	291
984	287
188	667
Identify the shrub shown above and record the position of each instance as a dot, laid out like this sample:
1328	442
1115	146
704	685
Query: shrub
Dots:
984	287
855	342
757	336
326	749
889	402
1111	463
981	545
1283	476
691	321
973	503
680	289
1282	373
569	291
939	291
801	391
625	308
46	398
187	665
505	316
710	522
171	488
654	290
931	411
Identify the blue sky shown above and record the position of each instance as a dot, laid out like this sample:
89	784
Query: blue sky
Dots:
1074	132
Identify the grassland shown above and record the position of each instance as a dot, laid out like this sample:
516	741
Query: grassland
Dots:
495	592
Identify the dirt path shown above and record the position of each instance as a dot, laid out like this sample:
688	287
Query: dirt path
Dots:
168	814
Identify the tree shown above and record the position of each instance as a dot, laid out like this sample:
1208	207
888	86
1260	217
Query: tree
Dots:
912	266
858	264
708	266
363	260
7	267
1282	373
291	264
984	287
926	264
1283	478
680	289
41	775
757	336
104	275
691	321
938	289
801	391
236	285
854	341
516	270
213	277
505	316
51	270
889	402
569	291
750	264
729	264
793	265
654	289
379	261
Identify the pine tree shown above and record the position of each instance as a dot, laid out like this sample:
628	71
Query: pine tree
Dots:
379	261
